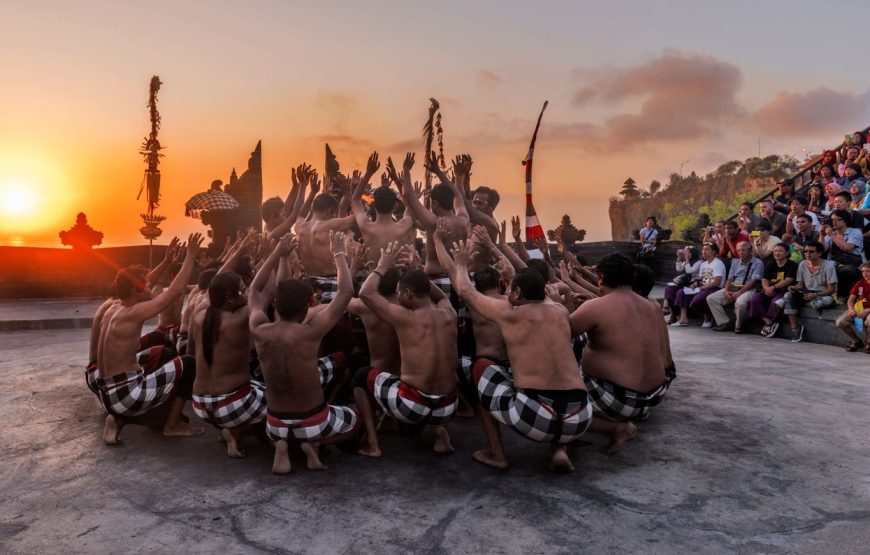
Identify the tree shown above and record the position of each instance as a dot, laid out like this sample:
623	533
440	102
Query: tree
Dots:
654	187
629	190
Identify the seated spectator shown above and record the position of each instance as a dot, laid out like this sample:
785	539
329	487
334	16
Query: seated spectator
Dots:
852	153
863	162
815	285
743	279
845	247
825	176
804	234
815	199
763	242
843	201
732	237
711	276
798	207
767	304
831	190
855	322
648	237
782	201
688	266
858	194
853	175
768	212
746	219
715	234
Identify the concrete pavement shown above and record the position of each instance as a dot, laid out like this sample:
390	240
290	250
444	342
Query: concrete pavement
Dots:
761	447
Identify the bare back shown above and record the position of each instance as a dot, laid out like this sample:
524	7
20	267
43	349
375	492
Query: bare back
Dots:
381	338
383	231
288	357
488	339
119	341
314	245
457	230
427	343
171	315
229	367
625	341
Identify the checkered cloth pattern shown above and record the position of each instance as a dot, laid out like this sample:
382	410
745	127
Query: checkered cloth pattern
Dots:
328	366
213	200
329	421
246	405
171	332
328	286
533	416
442	283
408	404
91	375
619	403
463	371
135	393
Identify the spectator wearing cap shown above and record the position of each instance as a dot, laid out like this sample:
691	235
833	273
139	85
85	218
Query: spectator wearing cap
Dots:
782	201
768	212
763	242
767	304
845	247
688	266
815	285
711	276
744	276
855	322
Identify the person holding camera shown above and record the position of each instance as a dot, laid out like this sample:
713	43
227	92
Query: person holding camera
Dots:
845	247
688	264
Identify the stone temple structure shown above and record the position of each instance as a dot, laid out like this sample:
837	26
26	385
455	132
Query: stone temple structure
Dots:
248	190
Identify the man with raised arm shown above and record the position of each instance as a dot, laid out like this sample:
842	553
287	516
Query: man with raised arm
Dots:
224	394
288	350
541	396
425	391
624	362
383	343
384	230
314	242
131	386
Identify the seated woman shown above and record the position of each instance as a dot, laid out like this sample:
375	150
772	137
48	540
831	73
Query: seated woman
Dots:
831	190
858	190
767	304
815	199
711	278
688	265
763	242
648	237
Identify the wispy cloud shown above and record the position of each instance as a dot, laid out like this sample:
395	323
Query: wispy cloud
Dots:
814	112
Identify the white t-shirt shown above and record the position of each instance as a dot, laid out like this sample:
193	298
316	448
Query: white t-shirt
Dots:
711	270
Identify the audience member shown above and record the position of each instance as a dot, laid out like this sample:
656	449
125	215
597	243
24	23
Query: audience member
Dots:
845	247
767	304
777	219
688	265
763	242
855	321
743	279
746	219
815	285
782	201
711	276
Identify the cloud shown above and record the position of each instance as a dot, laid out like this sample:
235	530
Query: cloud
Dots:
818	111
684	96
487	80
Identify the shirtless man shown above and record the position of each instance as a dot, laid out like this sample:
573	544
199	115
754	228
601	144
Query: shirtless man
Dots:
314	243
169	319
288	351
541	396
383	343
425	393
384	230
196	296
224	394
644	281
126	388
624	362
92	372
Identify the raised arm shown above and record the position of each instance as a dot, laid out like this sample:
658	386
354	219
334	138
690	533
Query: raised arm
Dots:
458	194
412	201
325	320
148	309
369	294
356	205
244	245
169	257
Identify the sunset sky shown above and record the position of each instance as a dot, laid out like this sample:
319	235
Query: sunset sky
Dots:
634	89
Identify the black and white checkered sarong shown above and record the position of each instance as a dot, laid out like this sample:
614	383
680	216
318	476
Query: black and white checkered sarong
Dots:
137	392
328	366
328	286
619	403
324	422
534	416
246	405
408	404
91	375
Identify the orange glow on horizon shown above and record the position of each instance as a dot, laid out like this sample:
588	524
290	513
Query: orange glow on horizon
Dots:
34	195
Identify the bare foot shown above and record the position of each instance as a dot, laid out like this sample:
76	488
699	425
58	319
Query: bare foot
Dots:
112	430
368	451
487	457
231	436
183	429
312	451
560	461
624	432
281	462
442	441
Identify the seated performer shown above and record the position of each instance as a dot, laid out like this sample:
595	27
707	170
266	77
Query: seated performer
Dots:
224	394
131	386
288	351
383	343
425	392
541	396
624	362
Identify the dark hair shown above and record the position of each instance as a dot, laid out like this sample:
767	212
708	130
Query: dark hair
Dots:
324	203
245	268
804	216
783	245
644	280
854	167
615	270
747	204
694	255
816	245
801	199
730	223
486	279
843	215
764	225
271	207
129	280
205	277
492	195
221	288
845	194
415	281
530	283
653	218
442	194
389	281
292	298
384	200
541	267
787	181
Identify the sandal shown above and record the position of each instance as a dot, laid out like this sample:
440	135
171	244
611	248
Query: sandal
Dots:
854	346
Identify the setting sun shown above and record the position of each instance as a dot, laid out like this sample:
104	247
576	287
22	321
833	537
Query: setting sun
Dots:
17	200
35	197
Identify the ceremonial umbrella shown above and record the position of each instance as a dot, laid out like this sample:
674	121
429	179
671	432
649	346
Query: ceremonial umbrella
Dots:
213	200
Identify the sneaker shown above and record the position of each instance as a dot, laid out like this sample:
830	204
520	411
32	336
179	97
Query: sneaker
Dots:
707	324
765	331
774	327
678	324
797	335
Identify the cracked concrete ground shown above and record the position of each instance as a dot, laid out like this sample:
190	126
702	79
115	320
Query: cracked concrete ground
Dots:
761	447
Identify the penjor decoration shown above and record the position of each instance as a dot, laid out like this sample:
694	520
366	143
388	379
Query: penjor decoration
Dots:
150	150
533	225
